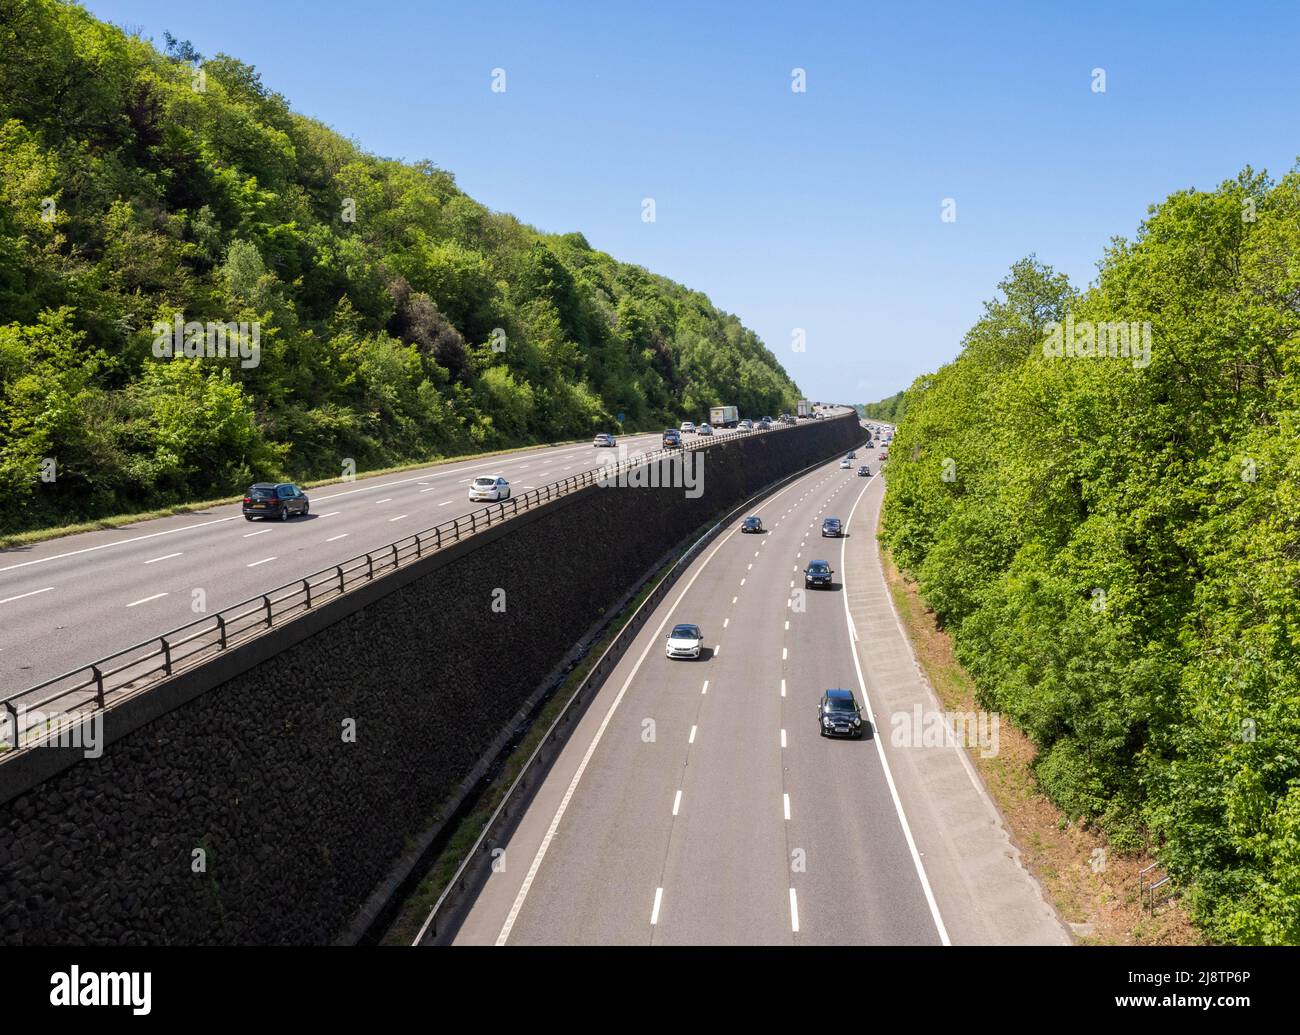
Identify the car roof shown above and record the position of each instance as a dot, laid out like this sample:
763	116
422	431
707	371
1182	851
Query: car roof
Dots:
830	519
842	694
811	563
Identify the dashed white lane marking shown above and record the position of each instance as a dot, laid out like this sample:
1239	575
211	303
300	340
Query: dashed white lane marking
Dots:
726	622
399	517
717	649
705	688
332	513
147	599
165	557
249	535
785	804
677	802
386	499
794	912
783	688
751	566
433	489
336	537
691	738
785	653
787	623
264	560
20	596
783	743
659	896
734	599
446	503
742	582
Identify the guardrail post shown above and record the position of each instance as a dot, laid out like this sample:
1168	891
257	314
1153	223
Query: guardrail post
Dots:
99	684
370	566
167	654
266	599
221	631
437	535
306	588
394	555
340	571
13	721
419	551
472	526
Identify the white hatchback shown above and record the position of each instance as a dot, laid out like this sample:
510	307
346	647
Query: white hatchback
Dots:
489	487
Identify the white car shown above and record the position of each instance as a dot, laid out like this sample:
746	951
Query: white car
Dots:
685	641
489	487
705	429
844	464
688	428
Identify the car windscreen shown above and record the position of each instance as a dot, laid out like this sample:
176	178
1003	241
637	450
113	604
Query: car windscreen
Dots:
686	632
485	482
839	704
819	568
262	494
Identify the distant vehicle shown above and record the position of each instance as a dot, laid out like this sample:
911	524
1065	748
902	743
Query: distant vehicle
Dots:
751	524
685	641
820	415
688	427
805	408
724	416
850	455
884	455
832	527
603	439
838	714
704	429
845	464
279	500
672	439
818	573
765	423
489	487
746	425
864	471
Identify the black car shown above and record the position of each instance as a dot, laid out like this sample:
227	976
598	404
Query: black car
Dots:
832	527
752	524
838	715
279	500
818	573
864	471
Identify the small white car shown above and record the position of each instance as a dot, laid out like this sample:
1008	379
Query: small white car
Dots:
489	487
705	429
685	641
688	427
845	464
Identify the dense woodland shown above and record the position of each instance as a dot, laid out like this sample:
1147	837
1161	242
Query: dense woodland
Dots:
890	410
399	319
1116	547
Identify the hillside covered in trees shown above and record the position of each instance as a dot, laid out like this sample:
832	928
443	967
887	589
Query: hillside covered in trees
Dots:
1115	543
397	319
890	410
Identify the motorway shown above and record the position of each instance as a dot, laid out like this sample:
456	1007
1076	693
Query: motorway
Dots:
696	802
67	602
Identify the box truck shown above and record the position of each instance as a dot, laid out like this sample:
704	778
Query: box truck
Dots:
724	416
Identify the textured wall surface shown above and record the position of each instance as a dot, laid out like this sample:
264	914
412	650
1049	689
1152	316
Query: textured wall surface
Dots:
296	824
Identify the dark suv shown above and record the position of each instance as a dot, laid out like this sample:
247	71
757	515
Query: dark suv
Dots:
838	715
275	500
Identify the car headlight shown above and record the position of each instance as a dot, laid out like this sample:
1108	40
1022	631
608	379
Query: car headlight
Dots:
857	722
827	721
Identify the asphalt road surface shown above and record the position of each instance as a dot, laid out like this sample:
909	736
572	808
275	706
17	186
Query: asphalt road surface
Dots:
697	802
70	601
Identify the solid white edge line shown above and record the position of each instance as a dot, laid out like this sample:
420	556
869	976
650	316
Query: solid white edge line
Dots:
518	904
876	739
119	542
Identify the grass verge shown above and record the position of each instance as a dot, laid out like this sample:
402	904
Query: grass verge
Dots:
1093	887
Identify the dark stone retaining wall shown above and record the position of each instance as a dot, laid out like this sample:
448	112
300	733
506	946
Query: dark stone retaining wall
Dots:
298	826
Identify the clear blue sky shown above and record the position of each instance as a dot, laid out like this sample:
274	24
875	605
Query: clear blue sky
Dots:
818	210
